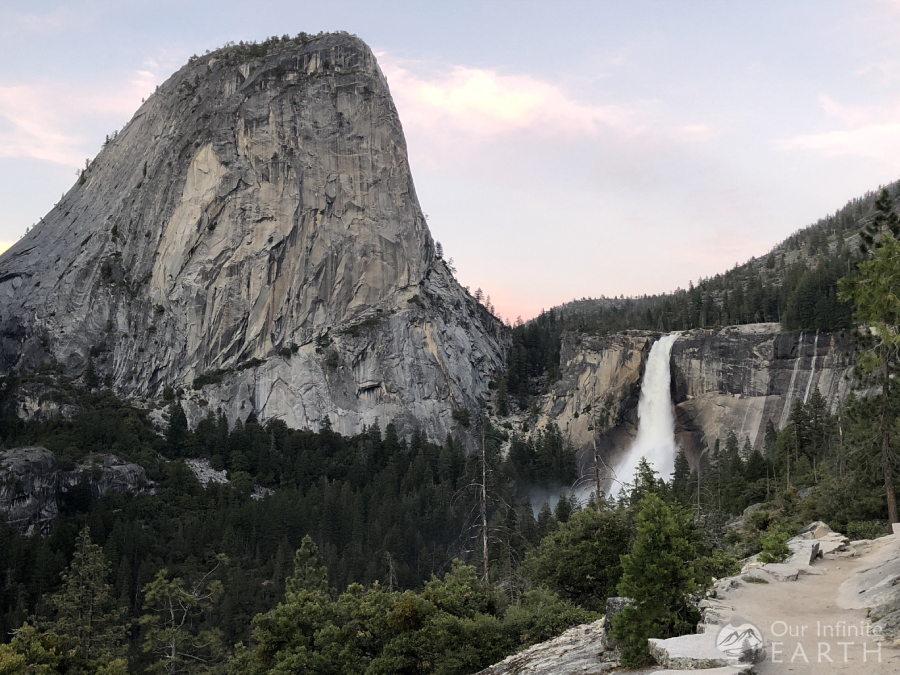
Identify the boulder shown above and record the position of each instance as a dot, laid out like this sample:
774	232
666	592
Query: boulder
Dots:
832	543
782	572
757	576
808	570
818	529
804	552
613	607
752	508
688	652
579	651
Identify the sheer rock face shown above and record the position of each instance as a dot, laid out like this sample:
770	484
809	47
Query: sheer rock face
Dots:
31	482
736	379
255	208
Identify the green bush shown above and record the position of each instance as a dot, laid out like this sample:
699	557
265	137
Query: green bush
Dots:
866	529
540	615
774	545
211	377
462	417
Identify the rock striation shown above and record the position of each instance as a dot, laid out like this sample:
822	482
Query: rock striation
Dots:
253	236
31	483
736	378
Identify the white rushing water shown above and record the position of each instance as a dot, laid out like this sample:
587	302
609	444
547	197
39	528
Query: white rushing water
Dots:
655	438
812	368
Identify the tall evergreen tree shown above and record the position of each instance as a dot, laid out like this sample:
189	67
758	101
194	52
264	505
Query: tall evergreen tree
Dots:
85	608
876	292
658	578
309	572
681	477
172	625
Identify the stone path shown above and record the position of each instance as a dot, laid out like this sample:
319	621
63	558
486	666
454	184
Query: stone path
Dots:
813	617
812	613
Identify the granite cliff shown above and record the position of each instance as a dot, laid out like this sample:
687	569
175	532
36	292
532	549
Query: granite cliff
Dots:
253	237
736	378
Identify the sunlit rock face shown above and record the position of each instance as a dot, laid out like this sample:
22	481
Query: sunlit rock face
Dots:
733	379
257	215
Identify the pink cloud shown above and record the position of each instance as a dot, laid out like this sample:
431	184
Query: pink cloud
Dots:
869	131
485	103
871	140
41	120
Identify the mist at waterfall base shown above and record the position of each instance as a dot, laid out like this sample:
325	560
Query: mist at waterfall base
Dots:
655	438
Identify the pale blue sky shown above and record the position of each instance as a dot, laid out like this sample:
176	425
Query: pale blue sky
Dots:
560	150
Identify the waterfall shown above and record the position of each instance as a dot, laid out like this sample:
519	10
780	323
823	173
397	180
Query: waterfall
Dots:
812	368
655	438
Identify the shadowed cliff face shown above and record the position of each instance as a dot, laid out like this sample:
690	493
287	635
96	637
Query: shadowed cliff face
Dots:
31	484
736	379
255	211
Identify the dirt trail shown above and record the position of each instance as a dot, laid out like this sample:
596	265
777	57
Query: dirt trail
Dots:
805	621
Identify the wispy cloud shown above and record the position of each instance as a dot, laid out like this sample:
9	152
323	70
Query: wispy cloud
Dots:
868	131
486	103
871	140
15	22
34	128
45	121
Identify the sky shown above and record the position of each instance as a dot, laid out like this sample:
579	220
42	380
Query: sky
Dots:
560	150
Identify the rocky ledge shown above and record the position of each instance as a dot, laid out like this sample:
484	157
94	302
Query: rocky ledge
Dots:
31	482
581	650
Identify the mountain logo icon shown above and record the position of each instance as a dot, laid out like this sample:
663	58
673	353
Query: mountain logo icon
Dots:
741	642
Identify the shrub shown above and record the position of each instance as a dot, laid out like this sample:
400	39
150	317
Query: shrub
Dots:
211	377
462	417
866	529
775	548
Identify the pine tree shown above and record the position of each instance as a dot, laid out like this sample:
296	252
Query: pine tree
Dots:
771	439
85	608
658	578
502	398
876	292
178	428
172	626
309	572
681	477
